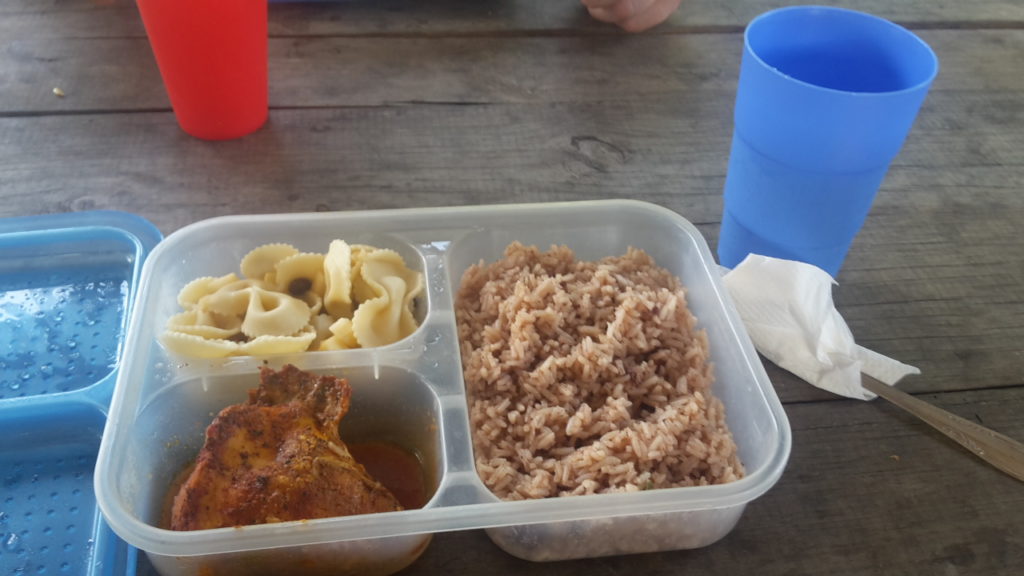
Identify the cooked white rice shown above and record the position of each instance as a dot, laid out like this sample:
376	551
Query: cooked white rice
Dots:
587	377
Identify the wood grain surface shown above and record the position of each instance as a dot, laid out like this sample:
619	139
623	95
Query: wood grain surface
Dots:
119	18
404	103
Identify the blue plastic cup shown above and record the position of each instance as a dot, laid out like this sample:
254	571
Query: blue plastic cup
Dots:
826	98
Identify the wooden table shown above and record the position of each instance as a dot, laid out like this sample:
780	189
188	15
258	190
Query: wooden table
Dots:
398	103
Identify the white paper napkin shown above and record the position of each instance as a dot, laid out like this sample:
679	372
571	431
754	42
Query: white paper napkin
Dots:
788	311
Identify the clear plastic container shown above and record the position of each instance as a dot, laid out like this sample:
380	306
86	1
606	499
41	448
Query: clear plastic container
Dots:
413	391
66	286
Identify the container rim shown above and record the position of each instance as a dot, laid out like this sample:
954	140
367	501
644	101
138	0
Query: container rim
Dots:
447	518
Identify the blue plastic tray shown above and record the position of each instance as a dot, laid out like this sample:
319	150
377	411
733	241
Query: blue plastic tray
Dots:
66	286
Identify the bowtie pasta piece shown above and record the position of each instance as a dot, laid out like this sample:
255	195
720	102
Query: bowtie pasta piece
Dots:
342	336
289	301
231	299
300	274
261	261
268	344
322	324
189	295
338	276
198	347
274	314
205	324
341	267
386	289
314	301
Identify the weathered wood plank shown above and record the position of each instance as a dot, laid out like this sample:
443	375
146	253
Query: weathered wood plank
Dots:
949	205
671	150
319	72
119	18
348	158
121	74
868	490
933	279
400	103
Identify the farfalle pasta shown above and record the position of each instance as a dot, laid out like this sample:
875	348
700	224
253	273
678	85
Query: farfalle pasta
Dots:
301	275
196	289
338	280
263	260
288	301
274	314
386	289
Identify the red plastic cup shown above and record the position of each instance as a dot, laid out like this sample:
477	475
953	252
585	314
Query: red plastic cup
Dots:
212	55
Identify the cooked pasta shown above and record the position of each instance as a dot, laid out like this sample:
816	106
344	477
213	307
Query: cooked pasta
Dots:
205	324
189	295
267	345
386	289
287	301
231	299
342	336
262	260
338	276
300	274
274	314
191	345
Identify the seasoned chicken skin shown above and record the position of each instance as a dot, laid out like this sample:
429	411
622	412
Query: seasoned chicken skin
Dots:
278	457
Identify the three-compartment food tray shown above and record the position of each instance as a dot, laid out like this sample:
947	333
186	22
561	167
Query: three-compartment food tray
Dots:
412	393
67	282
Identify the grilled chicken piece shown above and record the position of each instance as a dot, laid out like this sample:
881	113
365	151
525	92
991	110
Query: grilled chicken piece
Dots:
278	457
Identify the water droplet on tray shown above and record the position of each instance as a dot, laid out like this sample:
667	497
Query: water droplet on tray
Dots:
438	284
11	541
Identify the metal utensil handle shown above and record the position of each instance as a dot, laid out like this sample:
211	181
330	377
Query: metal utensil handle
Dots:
998	450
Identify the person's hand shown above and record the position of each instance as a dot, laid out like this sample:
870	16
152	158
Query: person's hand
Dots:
632	15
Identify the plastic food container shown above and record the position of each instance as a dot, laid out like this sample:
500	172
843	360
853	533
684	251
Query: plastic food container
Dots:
66	285
412	393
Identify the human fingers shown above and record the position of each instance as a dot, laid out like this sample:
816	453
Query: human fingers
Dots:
655	14
602	14
599	3
617	10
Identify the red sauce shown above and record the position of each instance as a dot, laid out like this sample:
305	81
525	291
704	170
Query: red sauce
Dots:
168	503
396	468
